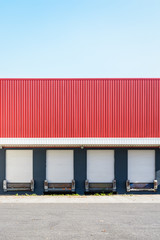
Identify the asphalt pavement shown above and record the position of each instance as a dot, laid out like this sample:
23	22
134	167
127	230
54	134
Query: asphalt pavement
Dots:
74	221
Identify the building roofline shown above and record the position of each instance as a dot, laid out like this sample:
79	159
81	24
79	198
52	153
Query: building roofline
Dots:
79	78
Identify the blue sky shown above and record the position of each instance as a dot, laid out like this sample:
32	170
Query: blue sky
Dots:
79	38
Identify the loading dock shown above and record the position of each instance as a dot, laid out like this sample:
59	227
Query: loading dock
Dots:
19	171
141	171
59	171
100	171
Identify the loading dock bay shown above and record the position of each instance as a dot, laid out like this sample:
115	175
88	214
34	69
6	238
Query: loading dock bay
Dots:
79	170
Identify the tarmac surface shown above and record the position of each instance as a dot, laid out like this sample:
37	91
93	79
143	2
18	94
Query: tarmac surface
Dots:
23	218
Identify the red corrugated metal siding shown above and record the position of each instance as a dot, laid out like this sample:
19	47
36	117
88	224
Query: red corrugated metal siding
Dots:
79	108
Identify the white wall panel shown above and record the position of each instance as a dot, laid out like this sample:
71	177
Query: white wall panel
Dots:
141	165
19	165
59	166
50	142
100	165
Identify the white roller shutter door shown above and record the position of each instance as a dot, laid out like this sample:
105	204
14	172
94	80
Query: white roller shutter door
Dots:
19	166
100	165
141	165
59	166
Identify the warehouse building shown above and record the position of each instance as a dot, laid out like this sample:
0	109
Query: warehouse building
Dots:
79	136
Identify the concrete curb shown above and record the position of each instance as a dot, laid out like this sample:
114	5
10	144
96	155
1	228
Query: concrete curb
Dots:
82	199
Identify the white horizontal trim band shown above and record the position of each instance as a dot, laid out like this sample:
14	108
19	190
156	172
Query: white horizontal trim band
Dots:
79	142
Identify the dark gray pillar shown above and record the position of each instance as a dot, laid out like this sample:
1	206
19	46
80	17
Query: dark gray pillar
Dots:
2	169
121	165
39	169
80	170
158	168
